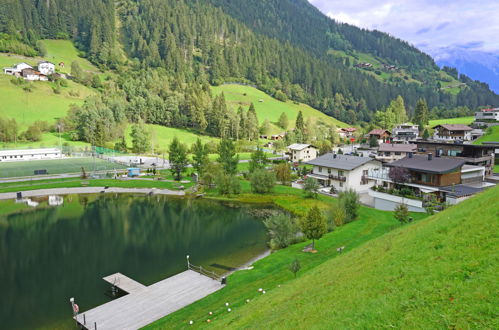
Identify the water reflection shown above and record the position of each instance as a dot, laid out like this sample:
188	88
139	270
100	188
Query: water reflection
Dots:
48	255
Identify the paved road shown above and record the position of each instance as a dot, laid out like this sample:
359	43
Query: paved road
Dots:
90	190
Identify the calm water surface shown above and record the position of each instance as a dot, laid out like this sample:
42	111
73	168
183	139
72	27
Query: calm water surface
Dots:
50	254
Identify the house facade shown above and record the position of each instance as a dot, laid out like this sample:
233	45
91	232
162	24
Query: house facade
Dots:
389	152
476	155
487	115
299	152
17	69
343	171
452	132
405	133
347	132
417	179
46	68
382	135
30	154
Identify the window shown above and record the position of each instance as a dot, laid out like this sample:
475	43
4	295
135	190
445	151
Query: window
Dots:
340	173
397	153
387	153
328	171
320	169
341	184
365	172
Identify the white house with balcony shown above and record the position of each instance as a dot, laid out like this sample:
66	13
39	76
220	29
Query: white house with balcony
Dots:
489	115
452	132
17	69
344	172
299	152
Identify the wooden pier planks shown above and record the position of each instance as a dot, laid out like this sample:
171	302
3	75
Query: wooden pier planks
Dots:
124	283
145	306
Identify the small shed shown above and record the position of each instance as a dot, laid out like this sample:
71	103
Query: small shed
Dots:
133	172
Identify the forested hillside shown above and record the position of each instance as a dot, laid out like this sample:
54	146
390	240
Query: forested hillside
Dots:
283	47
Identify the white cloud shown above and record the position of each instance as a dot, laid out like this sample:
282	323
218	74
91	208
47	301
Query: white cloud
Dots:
429	24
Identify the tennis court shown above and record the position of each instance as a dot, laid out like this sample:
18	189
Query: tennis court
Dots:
56	166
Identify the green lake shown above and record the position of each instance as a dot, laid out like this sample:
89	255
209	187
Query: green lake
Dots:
49	254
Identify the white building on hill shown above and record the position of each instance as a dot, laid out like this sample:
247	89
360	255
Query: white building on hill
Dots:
343	171
17	69
302	152
46	68
29	154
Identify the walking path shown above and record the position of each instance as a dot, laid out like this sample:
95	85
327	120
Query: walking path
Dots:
90	190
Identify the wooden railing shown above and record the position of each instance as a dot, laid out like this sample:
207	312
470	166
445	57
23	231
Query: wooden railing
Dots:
337	177
203	271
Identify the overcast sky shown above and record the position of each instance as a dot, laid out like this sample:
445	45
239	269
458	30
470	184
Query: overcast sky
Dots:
431	25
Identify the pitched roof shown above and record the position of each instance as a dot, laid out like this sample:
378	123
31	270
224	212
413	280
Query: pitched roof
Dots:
349	129
379	132
398	147
342	162
455	127
439	165
299	146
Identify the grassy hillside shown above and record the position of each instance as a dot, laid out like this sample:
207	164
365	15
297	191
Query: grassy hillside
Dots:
438	273
272	272
64	51
270	108
491	135
459	120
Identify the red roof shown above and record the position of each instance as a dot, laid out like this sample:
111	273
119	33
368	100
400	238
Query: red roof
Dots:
379	132
349	129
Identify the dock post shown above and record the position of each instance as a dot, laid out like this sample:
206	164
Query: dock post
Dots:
188	264
95	325
84	320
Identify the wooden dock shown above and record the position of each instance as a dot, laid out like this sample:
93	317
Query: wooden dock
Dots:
124	283
146	304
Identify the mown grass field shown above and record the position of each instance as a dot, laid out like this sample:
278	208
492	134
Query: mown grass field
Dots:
56	166
459	120
64	51
40	104
491	135
437	273
270	108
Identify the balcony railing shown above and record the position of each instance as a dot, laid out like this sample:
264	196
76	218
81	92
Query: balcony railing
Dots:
337	178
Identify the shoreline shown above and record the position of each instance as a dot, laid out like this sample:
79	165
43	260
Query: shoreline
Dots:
89	190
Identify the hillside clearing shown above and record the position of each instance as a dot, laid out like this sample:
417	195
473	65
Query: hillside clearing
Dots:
491	135
64	51
270	108
459	120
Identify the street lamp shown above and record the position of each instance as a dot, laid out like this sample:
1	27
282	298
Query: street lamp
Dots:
188	264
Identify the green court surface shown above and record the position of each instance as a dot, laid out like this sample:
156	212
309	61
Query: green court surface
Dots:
56	166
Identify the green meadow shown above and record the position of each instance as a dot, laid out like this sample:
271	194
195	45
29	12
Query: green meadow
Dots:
268	107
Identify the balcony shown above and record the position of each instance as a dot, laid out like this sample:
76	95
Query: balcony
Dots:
337	178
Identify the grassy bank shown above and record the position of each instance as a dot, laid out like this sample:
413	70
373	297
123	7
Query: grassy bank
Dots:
491	135
272	272
438	273
459	120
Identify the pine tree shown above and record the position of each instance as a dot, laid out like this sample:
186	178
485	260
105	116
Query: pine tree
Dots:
421	115
228	156
314	225
252	123
199	157
141	142
177	155
258	160
300	124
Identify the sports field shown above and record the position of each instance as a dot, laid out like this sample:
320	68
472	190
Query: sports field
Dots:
56	166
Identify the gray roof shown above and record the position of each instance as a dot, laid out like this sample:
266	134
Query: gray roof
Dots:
402	147
420	163
299	146
460	190
342	162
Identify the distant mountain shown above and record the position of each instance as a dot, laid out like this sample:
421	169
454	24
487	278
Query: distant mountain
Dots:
475	64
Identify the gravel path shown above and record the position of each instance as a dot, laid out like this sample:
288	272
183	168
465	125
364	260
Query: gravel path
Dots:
90	190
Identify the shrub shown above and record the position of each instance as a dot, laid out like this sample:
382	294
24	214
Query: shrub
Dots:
283	173
295	267
401	213
349	200
336	217
311	187
262	181
282	230
228	184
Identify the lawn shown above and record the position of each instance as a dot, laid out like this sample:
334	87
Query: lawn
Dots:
491	135
57	166
459	120
272	272
270	108
64	51
438	273
40	104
